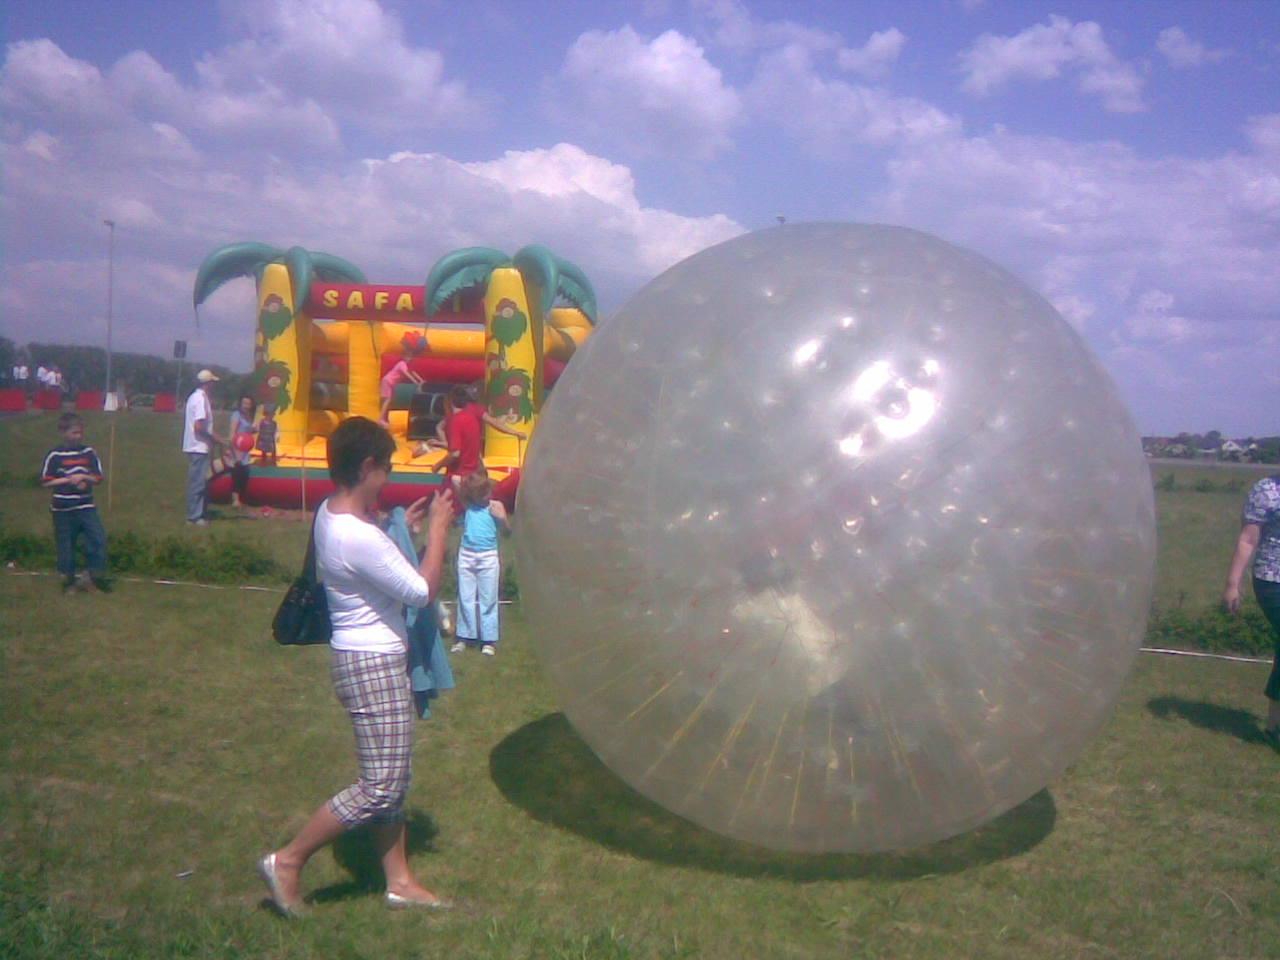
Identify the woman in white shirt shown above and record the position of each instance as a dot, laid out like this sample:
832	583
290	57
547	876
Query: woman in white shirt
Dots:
367	582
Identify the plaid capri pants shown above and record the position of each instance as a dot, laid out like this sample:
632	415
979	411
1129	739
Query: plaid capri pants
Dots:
374	689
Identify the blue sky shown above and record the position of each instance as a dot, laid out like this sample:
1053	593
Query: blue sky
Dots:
1122	158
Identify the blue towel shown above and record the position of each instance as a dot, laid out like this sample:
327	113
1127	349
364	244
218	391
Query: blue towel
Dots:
429	671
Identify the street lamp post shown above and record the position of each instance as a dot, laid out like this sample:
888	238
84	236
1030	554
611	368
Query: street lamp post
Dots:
111	269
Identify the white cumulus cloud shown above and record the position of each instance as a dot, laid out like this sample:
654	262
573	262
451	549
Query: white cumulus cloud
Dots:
834	116
350	55
660	96
1181	51
874	57
1048	51
735	28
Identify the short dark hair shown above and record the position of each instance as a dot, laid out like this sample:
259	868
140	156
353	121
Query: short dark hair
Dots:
356	440
459	396
69	420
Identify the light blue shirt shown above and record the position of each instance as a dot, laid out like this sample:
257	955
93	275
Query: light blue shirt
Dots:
479	529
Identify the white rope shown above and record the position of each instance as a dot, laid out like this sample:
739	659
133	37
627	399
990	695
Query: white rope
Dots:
172	583
213	586
1197	653
166	583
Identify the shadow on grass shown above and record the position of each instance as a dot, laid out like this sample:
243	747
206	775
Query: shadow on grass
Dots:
546	769
1233	721
355	853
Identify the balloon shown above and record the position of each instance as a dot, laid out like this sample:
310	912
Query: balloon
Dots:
836	538
243	442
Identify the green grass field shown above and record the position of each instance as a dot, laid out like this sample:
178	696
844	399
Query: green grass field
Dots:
155	742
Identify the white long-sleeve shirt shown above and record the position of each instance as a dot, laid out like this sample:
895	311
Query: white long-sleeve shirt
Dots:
367	582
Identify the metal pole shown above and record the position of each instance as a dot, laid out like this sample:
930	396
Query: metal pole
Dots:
111	464
111	265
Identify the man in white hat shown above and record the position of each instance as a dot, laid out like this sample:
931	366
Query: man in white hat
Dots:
197	439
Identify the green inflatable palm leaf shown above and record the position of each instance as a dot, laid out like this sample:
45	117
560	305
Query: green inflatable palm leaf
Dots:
576	289
459	270
233	260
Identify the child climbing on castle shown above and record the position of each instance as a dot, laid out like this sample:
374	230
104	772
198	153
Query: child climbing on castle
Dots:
414	345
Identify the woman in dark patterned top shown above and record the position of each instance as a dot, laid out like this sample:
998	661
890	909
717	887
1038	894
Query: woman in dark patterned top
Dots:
1260	539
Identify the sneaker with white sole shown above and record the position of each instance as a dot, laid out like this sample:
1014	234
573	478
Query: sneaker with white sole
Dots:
489	650
458	647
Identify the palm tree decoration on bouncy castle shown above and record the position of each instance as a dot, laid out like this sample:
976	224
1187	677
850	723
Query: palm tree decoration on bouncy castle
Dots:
282	350
519	294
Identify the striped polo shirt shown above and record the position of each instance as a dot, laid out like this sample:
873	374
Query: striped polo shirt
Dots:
66	461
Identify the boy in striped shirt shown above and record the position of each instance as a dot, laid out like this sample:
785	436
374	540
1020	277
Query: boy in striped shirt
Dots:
71	470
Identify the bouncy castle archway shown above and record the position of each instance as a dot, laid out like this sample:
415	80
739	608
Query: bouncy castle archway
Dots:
325	337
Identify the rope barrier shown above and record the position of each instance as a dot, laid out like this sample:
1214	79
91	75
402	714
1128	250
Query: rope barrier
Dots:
213	586
174	583
1198	653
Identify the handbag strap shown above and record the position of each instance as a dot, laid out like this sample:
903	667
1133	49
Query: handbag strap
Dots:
309	562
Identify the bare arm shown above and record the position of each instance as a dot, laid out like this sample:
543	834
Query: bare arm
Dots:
204	431
443	464
1250	534
499	511
439	516
504	428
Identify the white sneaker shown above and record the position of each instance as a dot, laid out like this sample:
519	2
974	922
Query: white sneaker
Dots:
488	650
458	647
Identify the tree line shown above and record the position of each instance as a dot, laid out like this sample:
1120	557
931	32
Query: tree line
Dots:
85	368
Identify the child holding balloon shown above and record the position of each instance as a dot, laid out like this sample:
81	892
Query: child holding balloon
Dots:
243	433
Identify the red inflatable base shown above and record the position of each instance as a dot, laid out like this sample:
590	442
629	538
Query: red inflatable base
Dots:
282	487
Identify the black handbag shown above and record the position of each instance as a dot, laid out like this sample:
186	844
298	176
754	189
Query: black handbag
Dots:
303	617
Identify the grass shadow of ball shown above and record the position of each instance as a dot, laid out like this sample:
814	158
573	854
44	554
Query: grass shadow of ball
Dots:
546	769
355	853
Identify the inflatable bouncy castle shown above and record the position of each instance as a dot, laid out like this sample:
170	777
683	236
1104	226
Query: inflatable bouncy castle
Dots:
325	338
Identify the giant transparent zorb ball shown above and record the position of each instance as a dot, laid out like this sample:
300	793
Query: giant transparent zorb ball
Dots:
836	538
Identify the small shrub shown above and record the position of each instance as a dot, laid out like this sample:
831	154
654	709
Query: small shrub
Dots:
169	557
27	550
1166	483
235	559
1204	485
21	480
176	557
1212	630
128	553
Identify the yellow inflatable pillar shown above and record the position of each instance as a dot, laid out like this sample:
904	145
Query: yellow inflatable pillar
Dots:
364	368
288	350
513	365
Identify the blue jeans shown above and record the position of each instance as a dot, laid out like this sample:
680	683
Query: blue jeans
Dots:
478	586
68	526
197	480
